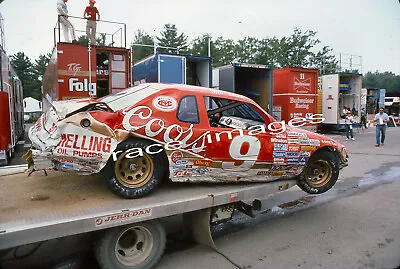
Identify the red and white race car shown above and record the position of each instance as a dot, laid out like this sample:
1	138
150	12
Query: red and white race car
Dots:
151	132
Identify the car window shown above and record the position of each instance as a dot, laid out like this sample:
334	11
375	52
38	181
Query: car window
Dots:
238	114
188	110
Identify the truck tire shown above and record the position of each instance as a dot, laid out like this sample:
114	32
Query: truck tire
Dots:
134	246
320	173
133	175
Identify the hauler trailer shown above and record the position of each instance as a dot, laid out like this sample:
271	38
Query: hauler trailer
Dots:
81	70
295	93
11	107
251	80
174	68
339	90
128	233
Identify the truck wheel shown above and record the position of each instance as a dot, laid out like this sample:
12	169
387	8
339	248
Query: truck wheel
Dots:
135	246
134	173
320	173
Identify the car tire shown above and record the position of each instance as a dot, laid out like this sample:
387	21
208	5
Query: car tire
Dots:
320	173
135	177
134	246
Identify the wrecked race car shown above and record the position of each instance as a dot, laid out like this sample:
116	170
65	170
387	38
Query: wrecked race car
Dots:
153	132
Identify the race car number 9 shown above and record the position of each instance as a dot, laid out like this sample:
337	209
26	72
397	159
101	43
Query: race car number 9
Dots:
248	158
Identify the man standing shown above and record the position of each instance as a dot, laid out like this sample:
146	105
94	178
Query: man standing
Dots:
381	120
349	125
91	14
63	17
364	118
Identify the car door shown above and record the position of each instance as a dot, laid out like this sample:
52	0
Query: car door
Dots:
238	140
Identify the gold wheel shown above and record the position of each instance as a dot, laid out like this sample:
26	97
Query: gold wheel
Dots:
318	173
134	172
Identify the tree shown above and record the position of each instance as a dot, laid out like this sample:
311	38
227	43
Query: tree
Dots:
100	40
224	51
386	80
199	45
40	65
25	71
175	43
140	52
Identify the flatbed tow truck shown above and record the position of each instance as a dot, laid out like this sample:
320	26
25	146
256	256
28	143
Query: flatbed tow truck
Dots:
39	208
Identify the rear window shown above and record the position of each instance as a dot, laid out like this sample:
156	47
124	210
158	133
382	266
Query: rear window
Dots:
188	110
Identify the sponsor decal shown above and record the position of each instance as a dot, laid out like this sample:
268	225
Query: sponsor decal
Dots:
314	142
262	173
305	154
292	160
84	146
279	154
293	148
279	160
233	197
278	140
303	159
280	135
275	168
188	166
277	173
164	103
176	156
280	146
292	154
122	217
180	161
308	148
293	141
284	187
182	173
202	163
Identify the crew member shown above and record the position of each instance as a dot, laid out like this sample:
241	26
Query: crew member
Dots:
91	13
68	28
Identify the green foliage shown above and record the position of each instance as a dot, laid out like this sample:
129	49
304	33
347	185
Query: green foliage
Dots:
25	71
140	52
386	80
100	40
175	43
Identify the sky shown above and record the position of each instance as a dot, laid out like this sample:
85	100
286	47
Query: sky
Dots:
366	28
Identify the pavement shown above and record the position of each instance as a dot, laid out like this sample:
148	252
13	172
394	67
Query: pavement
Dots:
360	228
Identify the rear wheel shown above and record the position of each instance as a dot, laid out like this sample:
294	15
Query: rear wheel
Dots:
320	173
136	246
134	172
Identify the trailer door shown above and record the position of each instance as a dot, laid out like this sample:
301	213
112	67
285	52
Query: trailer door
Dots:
227	79
330	96
118	71
172	69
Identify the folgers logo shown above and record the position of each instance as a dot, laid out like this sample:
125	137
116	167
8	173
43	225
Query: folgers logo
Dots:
202	163
164	103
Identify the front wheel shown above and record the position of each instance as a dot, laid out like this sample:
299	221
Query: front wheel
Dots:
134	172
136	246
320	173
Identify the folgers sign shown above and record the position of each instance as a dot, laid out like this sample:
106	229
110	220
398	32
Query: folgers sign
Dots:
295	92
73	71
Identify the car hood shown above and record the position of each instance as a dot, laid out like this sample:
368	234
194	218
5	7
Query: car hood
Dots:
66	107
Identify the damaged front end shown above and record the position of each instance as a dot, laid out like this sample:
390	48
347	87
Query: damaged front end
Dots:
68	138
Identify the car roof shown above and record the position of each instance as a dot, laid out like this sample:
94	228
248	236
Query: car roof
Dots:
200	90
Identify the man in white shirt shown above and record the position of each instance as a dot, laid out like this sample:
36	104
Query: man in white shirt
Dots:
349	125
381	120
67	25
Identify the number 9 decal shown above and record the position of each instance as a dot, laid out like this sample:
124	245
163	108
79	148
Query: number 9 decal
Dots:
236	152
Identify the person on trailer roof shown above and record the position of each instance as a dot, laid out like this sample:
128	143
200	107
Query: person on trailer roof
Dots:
91	13
68	28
